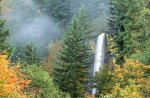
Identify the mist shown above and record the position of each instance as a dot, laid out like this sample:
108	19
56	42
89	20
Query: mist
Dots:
97	10
27	24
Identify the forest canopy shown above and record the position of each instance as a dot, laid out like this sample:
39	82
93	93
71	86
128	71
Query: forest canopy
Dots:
47	48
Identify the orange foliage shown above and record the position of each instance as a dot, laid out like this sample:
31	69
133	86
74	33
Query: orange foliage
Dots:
89	95
11	79
49	62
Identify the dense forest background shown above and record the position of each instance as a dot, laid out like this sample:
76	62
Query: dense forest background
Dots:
35	20
47	48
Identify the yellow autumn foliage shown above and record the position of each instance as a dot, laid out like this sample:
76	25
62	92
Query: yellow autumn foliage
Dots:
112	45
130	91
130	70
131	81
11	80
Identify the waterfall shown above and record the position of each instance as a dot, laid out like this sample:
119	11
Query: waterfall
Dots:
99	55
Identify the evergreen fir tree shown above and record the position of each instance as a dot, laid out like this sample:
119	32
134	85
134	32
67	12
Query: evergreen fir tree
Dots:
111	31
31	55
126	12
59	10
4	33
141	37
132	36
85	24
42	4
112	20
71	70
148	4
104	81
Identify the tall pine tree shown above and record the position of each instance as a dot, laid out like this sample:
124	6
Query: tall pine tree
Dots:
104	81
59	10
31	55
127	11
71	70
112	20
111	31
4	33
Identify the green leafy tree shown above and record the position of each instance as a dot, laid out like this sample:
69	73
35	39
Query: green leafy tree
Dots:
42	85
141	36
130	80
49	62
71	70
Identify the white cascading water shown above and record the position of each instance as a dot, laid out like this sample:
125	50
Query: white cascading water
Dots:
99	55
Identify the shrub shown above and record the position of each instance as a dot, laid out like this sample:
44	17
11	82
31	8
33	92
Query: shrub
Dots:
42	85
